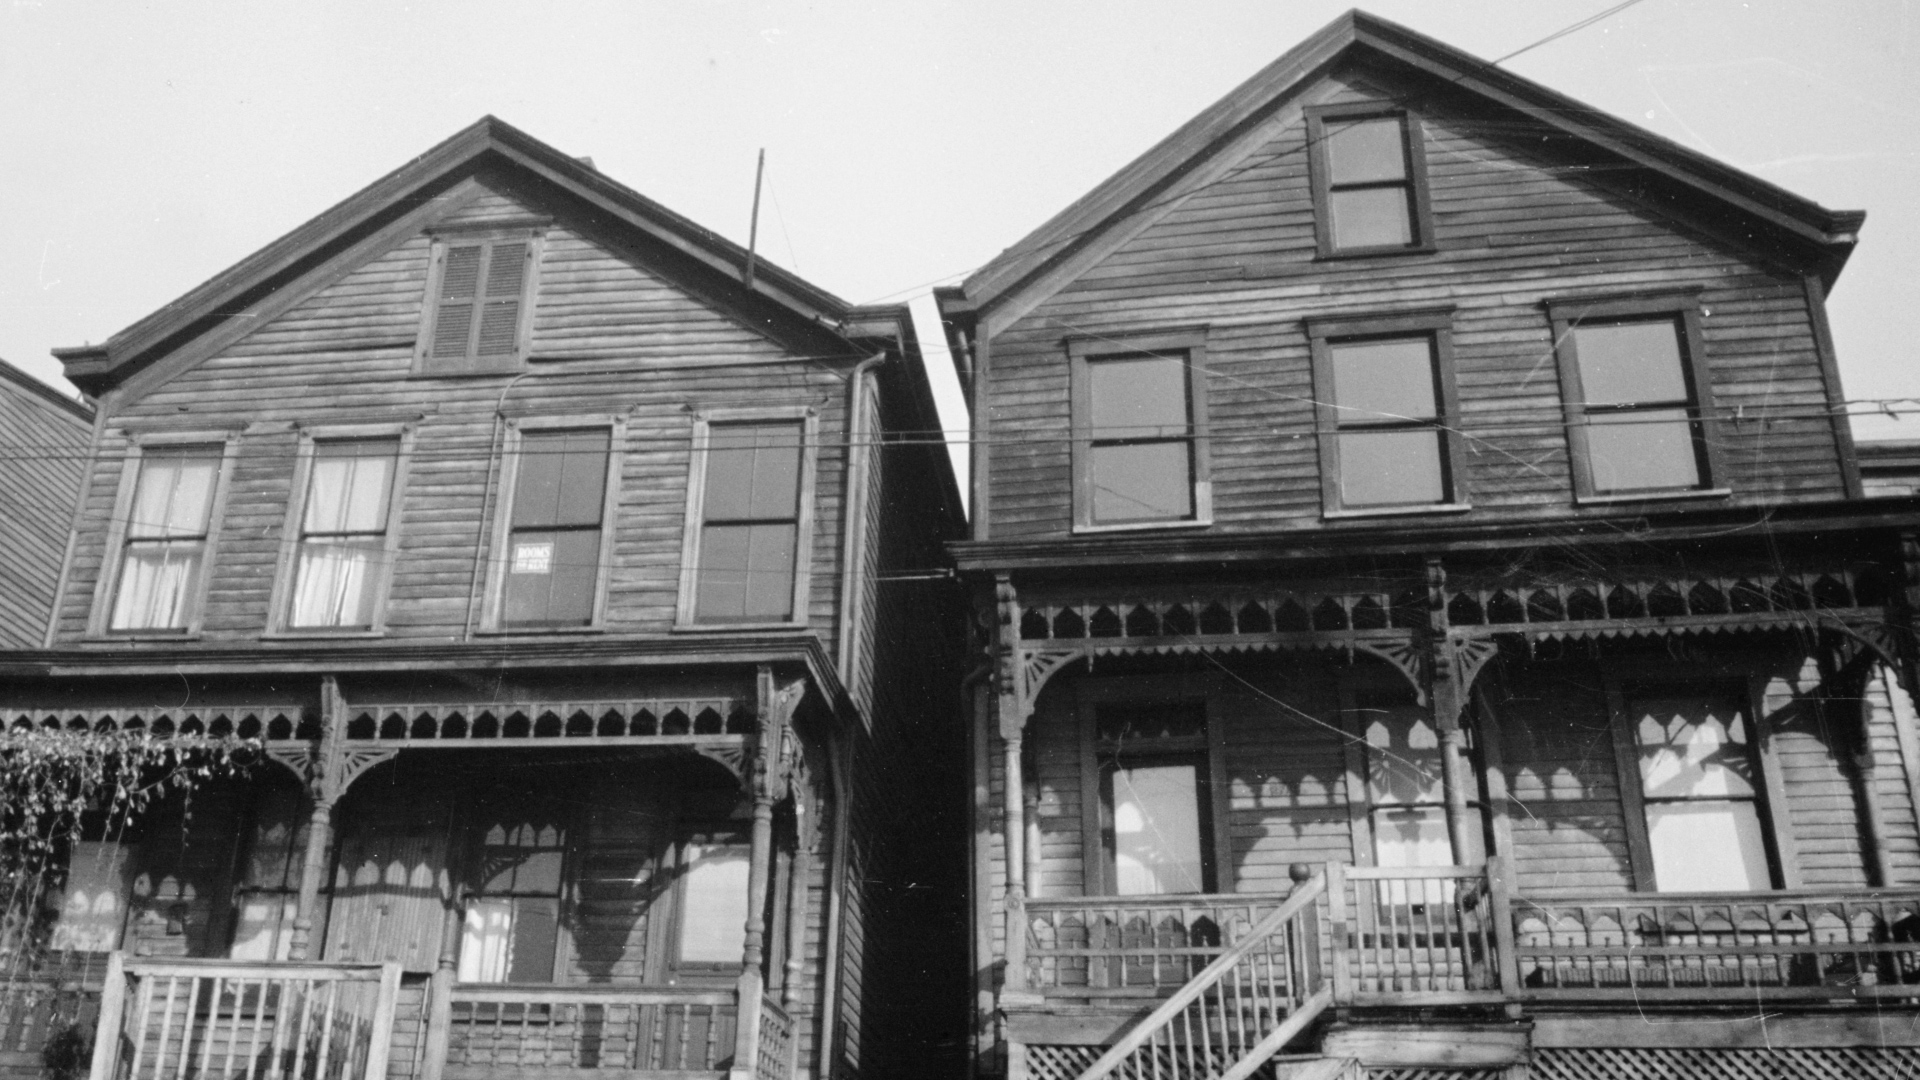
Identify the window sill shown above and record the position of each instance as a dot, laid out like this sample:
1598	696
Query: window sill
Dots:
1143	526
320	635
1653	496
537	631
734	627
1397	511
1374	252
117	637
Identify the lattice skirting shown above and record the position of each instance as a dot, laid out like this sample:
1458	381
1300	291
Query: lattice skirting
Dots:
1822	1063
1425	1072
1053	1061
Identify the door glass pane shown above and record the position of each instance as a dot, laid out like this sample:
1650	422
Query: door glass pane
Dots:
1383	380
1371	217
536	927
1708	845
1142	482
1156	830
1642	450
1138	397
1411	836
1366	151
94	909
1626	363
1390	468
713	913
1403	755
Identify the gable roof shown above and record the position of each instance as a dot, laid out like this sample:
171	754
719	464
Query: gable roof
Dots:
1823	237
776	296
19	382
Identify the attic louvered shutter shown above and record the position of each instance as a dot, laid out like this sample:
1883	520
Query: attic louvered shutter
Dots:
453	322
500	313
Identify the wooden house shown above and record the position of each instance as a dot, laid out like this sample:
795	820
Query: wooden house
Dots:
578	578
1432	625
43	445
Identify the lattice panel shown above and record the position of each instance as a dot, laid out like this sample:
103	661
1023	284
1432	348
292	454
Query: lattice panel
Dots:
1423	1072
1046	1061
1049	1061
1804	1063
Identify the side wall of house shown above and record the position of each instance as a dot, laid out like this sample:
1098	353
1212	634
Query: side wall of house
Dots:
42	459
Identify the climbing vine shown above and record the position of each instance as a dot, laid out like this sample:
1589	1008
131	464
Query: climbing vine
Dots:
57	785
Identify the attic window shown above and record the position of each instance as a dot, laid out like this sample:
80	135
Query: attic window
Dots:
481	287
1369	180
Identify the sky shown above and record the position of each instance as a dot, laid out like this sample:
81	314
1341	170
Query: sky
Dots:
150	146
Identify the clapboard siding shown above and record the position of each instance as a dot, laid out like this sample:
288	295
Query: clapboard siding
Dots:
610	336
1516	223
43	449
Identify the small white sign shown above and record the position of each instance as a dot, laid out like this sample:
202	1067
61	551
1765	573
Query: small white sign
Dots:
533	558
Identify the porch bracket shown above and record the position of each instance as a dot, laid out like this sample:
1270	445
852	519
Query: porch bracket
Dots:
730	756
1407	657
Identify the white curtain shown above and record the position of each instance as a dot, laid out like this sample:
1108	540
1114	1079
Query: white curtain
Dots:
485	948
331	585
165	538
343	538
155	583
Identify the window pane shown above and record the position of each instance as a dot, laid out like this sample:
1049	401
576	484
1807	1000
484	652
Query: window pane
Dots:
1366	151
1624	363
174	493
264	927
279	837
1156	830
155	584
485	943
561	479
350	485
1150	482
551	577
713	911
95	905
536	927
1384	380
1692	750
1390	468
1707	846
1138	397
333	584
1647	448
746	573
753	472
1371	217
1403	755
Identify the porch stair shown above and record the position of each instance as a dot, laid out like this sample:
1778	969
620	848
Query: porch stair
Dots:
1230	1020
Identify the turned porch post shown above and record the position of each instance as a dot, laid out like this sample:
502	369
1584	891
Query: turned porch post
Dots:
1447	696
1013	720
323	785
765	781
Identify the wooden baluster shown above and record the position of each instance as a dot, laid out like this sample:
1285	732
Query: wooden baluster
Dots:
259	1028
326	1030
282	1016
113	1003
232	1030
302	1036
186	1026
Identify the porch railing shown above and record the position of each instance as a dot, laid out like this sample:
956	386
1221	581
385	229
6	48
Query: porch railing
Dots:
201	1019
774	1060
1791	944
519	1029
1413	934
1133	946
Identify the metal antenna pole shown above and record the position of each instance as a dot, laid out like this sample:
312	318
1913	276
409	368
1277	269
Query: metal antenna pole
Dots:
753	227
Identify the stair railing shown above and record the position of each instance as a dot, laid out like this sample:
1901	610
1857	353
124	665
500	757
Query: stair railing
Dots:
1246	1005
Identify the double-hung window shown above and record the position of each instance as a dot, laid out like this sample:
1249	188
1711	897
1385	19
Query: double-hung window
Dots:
1140	438
748	517
555	544
345	536
1638	401
480	290
164	530
1699	790
1387	412
1369	180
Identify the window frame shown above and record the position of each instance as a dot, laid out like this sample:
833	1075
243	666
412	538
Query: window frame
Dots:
686	609
533	232
1565	314
675	971
114	555
1739	684
1324	332
1413	145
1085	350
494	618
1176	691
292	532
